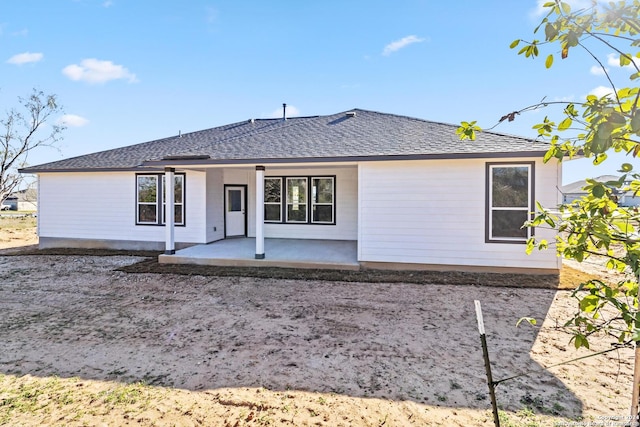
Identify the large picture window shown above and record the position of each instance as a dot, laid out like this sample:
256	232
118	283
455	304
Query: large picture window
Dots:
300	200
509	201
151	203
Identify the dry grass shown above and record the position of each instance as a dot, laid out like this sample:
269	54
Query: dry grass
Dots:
17	221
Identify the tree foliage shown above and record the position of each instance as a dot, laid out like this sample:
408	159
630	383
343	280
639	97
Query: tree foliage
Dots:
596	224
22	130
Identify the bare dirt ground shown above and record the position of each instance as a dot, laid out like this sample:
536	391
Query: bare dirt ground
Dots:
85	344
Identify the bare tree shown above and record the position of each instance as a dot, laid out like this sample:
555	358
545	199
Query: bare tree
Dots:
24	129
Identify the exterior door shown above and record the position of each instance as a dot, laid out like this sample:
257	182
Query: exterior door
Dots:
235	223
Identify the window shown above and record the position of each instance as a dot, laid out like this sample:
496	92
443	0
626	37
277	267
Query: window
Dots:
149	205
147	199
300	200
178	202
322	200
273	200
296	199
509	202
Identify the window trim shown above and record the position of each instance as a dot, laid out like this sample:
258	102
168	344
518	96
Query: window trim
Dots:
160	203
488	238
306	201
332	204
284	203
279	204
181	204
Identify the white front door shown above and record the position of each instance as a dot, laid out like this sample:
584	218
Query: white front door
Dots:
235	212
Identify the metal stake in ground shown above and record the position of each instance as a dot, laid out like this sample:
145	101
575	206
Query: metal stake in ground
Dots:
487	363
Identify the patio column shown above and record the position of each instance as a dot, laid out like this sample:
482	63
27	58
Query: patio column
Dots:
259	212
169	222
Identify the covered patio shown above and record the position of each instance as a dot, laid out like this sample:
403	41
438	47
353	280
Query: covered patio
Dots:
285	253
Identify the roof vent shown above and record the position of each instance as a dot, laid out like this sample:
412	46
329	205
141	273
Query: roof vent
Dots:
284	112
350	113
252	120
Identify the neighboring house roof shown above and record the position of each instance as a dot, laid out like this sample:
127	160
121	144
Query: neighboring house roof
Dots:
26	195
577	187
351	135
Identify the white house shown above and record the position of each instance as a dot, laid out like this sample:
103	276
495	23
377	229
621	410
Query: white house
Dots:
575	191
406	191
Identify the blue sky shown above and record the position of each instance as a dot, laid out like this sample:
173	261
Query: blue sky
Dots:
131	71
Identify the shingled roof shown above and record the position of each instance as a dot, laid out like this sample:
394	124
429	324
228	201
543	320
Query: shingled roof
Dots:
354	135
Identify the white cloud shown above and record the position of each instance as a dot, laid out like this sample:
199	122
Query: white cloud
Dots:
597	70
25	58
399	44
107	3
576	5
277	113
601	91
95	71
613	60
22	33
72	120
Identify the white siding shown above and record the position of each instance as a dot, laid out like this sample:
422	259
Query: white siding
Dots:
215	204
346	227
433	212
102	206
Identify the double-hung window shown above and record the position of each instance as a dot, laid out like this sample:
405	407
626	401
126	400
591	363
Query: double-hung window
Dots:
322	203
296	199
509	201
273	200
151	203
300	199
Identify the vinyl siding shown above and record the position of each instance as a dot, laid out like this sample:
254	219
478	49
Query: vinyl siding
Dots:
102	206
215	205
433	212
346	225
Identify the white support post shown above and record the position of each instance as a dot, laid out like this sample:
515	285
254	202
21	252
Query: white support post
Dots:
260	212
169	220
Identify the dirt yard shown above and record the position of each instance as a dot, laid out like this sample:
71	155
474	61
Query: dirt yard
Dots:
85	344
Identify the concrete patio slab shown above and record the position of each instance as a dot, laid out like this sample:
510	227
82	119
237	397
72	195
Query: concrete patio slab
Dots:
285	253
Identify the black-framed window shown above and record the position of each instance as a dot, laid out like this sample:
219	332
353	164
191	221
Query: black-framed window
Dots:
300	199
296	210
273	199
150	199
322	200
509	201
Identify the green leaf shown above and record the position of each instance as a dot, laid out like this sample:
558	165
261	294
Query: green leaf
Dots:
635	122
598	190
626	167
617	119
550	31
565	7
549	62
514	43
530	320
599	159
589	303
565	124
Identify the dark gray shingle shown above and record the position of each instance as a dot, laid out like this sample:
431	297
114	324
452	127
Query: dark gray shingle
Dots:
368	134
